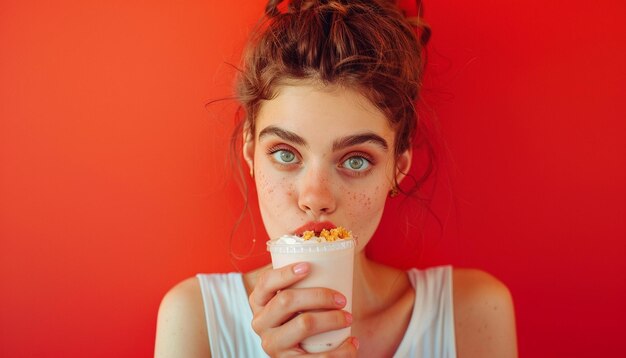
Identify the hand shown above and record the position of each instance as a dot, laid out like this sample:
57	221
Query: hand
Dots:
284	316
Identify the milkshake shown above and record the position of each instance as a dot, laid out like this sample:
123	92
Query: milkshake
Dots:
331	256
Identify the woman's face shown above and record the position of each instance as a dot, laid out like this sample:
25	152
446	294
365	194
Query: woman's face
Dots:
322	156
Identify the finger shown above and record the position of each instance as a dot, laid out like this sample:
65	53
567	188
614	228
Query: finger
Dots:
274	280
288	302
348	348
304	325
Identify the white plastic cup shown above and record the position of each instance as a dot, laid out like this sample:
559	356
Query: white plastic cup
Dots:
332	266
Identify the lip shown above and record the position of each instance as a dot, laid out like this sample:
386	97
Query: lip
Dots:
314	226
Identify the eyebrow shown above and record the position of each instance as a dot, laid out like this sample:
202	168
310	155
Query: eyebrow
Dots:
360	139
283	134
338	144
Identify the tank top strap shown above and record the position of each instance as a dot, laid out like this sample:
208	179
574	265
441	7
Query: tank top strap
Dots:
430	332
228	316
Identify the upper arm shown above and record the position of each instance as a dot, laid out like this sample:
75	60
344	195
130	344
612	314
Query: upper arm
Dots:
181	326
484	316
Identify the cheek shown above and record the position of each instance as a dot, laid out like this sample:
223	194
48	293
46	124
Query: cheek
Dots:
364	205
274	190
359	201
265	185
364	209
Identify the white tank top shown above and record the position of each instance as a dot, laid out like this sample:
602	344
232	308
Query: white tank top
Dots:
430	333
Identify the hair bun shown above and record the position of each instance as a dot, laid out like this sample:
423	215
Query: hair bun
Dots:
416	19
342	7
276	7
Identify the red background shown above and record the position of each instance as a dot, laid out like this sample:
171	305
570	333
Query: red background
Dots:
115	184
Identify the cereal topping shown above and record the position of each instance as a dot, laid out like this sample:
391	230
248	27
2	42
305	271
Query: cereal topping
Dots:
335	234
308	235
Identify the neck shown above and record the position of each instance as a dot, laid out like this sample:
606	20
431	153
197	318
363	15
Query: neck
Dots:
375	286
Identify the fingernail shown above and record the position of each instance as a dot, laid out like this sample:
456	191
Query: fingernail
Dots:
340	300
301	268
355	341
348	318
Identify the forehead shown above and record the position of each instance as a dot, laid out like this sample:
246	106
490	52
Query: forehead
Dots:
332	110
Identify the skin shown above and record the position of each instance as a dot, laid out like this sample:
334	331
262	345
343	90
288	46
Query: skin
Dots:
302	175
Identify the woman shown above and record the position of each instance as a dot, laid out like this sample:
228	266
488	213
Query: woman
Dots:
329	91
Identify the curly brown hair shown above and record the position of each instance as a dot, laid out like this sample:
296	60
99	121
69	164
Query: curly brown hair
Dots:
366	45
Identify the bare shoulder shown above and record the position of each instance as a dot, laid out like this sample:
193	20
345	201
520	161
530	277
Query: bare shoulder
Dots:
181	326
484	315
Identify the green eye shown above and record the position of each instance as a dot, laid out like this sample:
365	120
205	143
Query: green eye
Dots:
284	156
356	163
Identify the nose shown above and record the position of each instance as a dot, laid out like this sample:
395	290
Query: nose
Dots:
316	195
